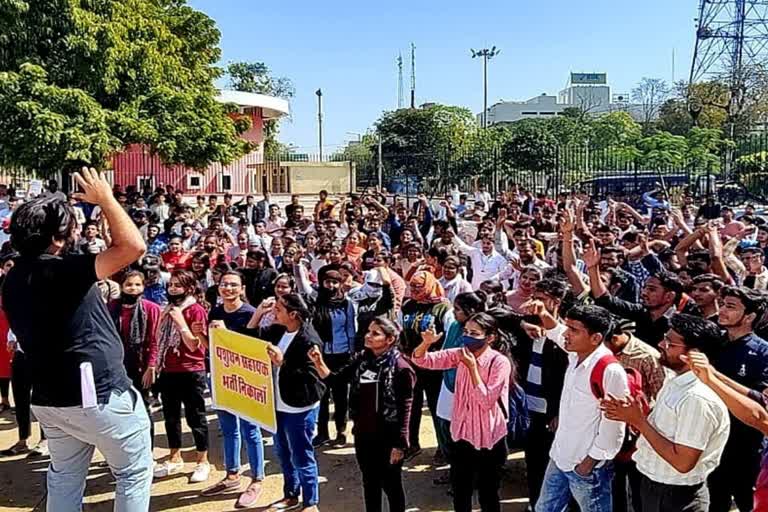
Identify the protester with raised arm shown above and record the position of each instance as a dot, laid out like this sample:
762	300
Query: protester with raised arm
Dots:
81	393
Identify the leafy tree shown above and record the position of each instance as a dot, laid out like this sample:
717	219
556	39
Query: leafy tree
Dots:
419	142
569	130
662	150
705	149
257	78
530	146
98	76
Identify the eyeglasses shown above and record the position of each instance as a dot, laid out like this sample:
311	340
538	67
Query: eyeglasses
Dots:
665	341
229	285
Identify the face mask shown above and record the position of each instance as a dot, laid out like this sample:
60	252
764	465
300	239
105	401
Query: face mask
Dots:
473	344
129	300
176	300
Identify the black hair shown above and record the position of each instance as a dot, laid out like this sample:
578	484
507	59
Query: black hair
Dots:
390	328
187	280
294	303
39	222
752	250
669	281
753	300
596	320
471	302
700	255
133	273
612	249
555	288
715	280
698	333
284	275
235	273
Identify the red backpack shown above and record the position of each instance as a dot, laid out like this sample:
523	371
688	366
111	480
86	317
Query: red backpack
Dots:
635	382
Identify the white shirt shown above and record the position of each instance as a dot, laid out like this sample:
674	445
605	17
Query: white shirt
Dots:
263	241
281	406
582	429
689	413
455	286
484	267
485	197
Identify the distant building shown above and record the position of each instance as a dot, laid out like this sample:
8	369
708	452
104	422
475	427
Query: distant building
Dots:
587	91
137	166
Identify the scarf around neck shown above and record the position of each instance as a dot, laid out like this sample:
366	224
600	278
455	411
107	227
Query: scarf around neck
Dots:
168	333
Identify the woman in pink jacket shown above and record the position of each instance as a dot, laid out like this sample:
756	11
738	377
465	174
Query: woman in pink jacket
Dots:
480	409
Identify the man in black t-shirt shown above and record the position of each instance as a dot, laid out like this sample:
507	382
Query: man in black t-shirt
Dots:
81	393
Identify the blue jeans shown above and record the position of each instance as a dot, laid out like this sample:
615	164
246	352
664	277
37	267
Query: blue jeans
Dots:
234	429
120	431
592	492
293	444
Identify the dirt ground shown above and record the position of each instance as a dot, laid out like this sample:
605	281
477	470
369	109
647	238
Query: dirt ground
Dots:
22	480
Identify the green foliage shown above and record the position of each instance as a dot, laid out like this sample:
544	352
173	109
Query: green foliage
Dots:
705	149
142	70
43	125
256	77
662	150
530	146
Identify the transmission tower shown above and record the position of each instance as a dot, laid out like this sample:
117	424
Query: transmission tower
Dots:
731	48
400	85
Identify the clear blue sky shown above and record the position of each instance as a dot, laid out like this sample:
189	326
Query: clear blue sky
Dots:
349	50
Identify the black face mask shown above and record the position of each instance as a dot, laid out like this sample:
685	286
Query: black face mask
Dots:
129	300
176	300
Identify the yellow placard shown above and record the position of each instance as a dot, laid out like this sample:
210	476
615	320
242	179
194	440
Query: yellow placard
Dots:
241	377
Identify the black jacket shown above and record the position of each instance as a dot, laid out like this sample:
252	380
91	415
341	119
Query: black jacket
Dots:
299	383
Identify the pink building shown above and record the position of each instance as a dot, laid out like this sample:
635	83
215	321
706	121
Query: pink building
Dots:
136	166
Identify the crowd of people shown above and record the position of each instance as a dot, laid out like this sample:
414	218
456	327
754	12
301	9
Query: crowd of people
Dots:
621	349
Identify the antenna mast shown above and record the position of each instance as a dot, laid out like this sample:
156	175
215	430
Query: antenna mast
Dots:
413	75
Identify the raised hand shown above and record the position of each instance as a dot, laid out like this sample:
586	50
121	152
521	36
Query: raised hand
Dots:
276	355
591	255
468	358
700	366
96	188
430	337
567	221
315	355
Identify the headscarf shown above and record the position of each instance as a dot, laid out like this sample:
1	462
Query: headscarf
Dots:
430	289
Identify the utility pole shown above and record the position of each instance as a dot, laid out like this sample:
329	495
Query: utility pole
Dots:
400	92
319	93
413	75
380	172
486	54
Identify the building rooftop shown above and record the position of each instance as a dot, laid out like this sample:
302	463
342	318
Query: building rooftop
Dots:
271	106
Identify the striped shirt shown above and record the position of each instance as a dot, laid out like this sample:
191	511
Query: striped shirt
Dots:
687	412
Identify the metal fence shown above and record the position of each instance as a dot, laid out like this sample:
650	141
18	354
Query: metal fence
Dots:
740	175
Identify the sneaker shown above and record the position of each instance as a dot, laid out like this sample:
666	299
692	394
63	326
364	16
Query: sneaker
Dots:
340	440
41	450
168	468
201	473
250	496
319	441
225	486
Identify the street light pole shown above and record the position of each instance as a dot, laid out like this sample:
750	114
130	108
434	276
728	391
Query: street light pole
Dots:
486	54
319	93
